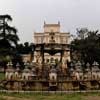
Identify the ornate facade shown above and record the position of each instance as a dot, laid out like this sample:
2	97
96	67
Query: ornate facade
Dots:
51	36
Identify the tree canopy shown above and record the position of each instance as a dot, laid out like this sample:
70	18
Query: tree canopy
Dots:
8	38
86	47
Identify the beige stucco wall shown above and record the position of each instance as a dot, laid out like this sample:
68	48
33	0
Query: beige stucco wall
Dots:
62	38
51	28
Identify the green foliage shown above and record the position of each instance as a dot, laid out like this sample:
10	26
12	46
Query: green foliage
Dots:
2	76
7	32
8	39
57	96
86	49
42	97
25	48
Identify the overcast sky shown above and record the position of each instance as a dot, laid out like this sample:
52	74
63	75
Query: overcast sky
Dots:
29	15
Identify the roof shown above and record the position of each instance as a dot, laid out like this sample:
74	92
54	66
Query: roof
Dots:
48	25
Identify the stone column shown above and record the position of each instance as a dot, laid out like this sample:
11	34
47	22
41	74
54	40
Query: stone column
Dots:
64	62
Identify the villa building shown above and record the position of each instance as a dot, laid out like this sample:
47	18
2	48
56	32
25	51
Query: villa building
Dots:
54	40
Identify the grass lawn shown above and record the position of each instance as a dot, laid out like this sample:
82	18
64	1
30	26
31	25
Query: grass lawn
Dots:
30	96
2	76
